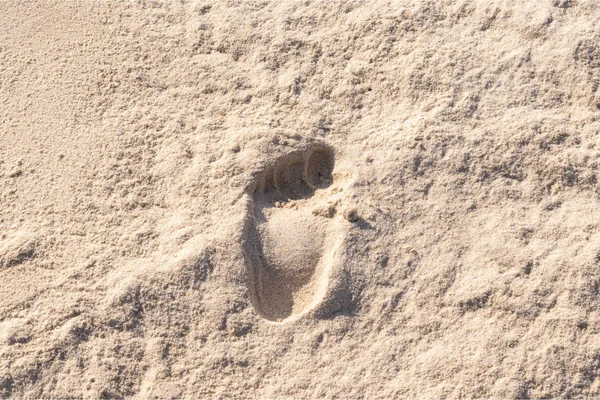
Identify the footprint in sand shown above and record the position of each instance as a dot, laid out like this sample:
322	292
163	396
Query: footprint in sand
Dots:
294	233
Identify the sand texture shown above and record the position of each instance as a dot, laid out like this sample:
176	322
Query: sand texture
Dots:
303	199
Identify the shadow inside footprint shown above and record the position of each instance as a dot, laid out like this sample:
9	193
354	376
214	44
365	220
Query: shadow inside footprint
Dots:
286	241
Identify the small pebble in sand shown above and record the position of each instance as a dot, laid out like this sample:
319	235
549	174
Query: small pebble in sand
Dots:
351	214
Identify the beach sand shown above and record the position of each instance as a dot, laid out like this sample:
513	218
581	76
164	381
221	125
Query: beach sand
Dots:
304	199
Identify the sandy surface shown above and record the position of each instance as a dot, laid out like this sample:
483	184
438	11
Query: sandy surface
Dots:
299	200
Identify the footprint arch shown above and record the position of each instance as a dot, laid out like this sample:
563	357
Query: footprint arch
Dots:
293	233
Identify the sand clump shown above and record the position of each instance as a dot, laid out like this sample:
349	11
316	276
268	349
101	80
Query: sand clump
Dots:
178	180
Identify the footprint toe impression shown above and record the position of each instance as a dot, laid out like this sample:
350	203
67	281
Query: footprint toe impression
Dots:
319	168
289	251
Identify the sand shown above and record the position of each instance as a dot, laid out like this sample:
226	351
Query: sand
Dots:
299	199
